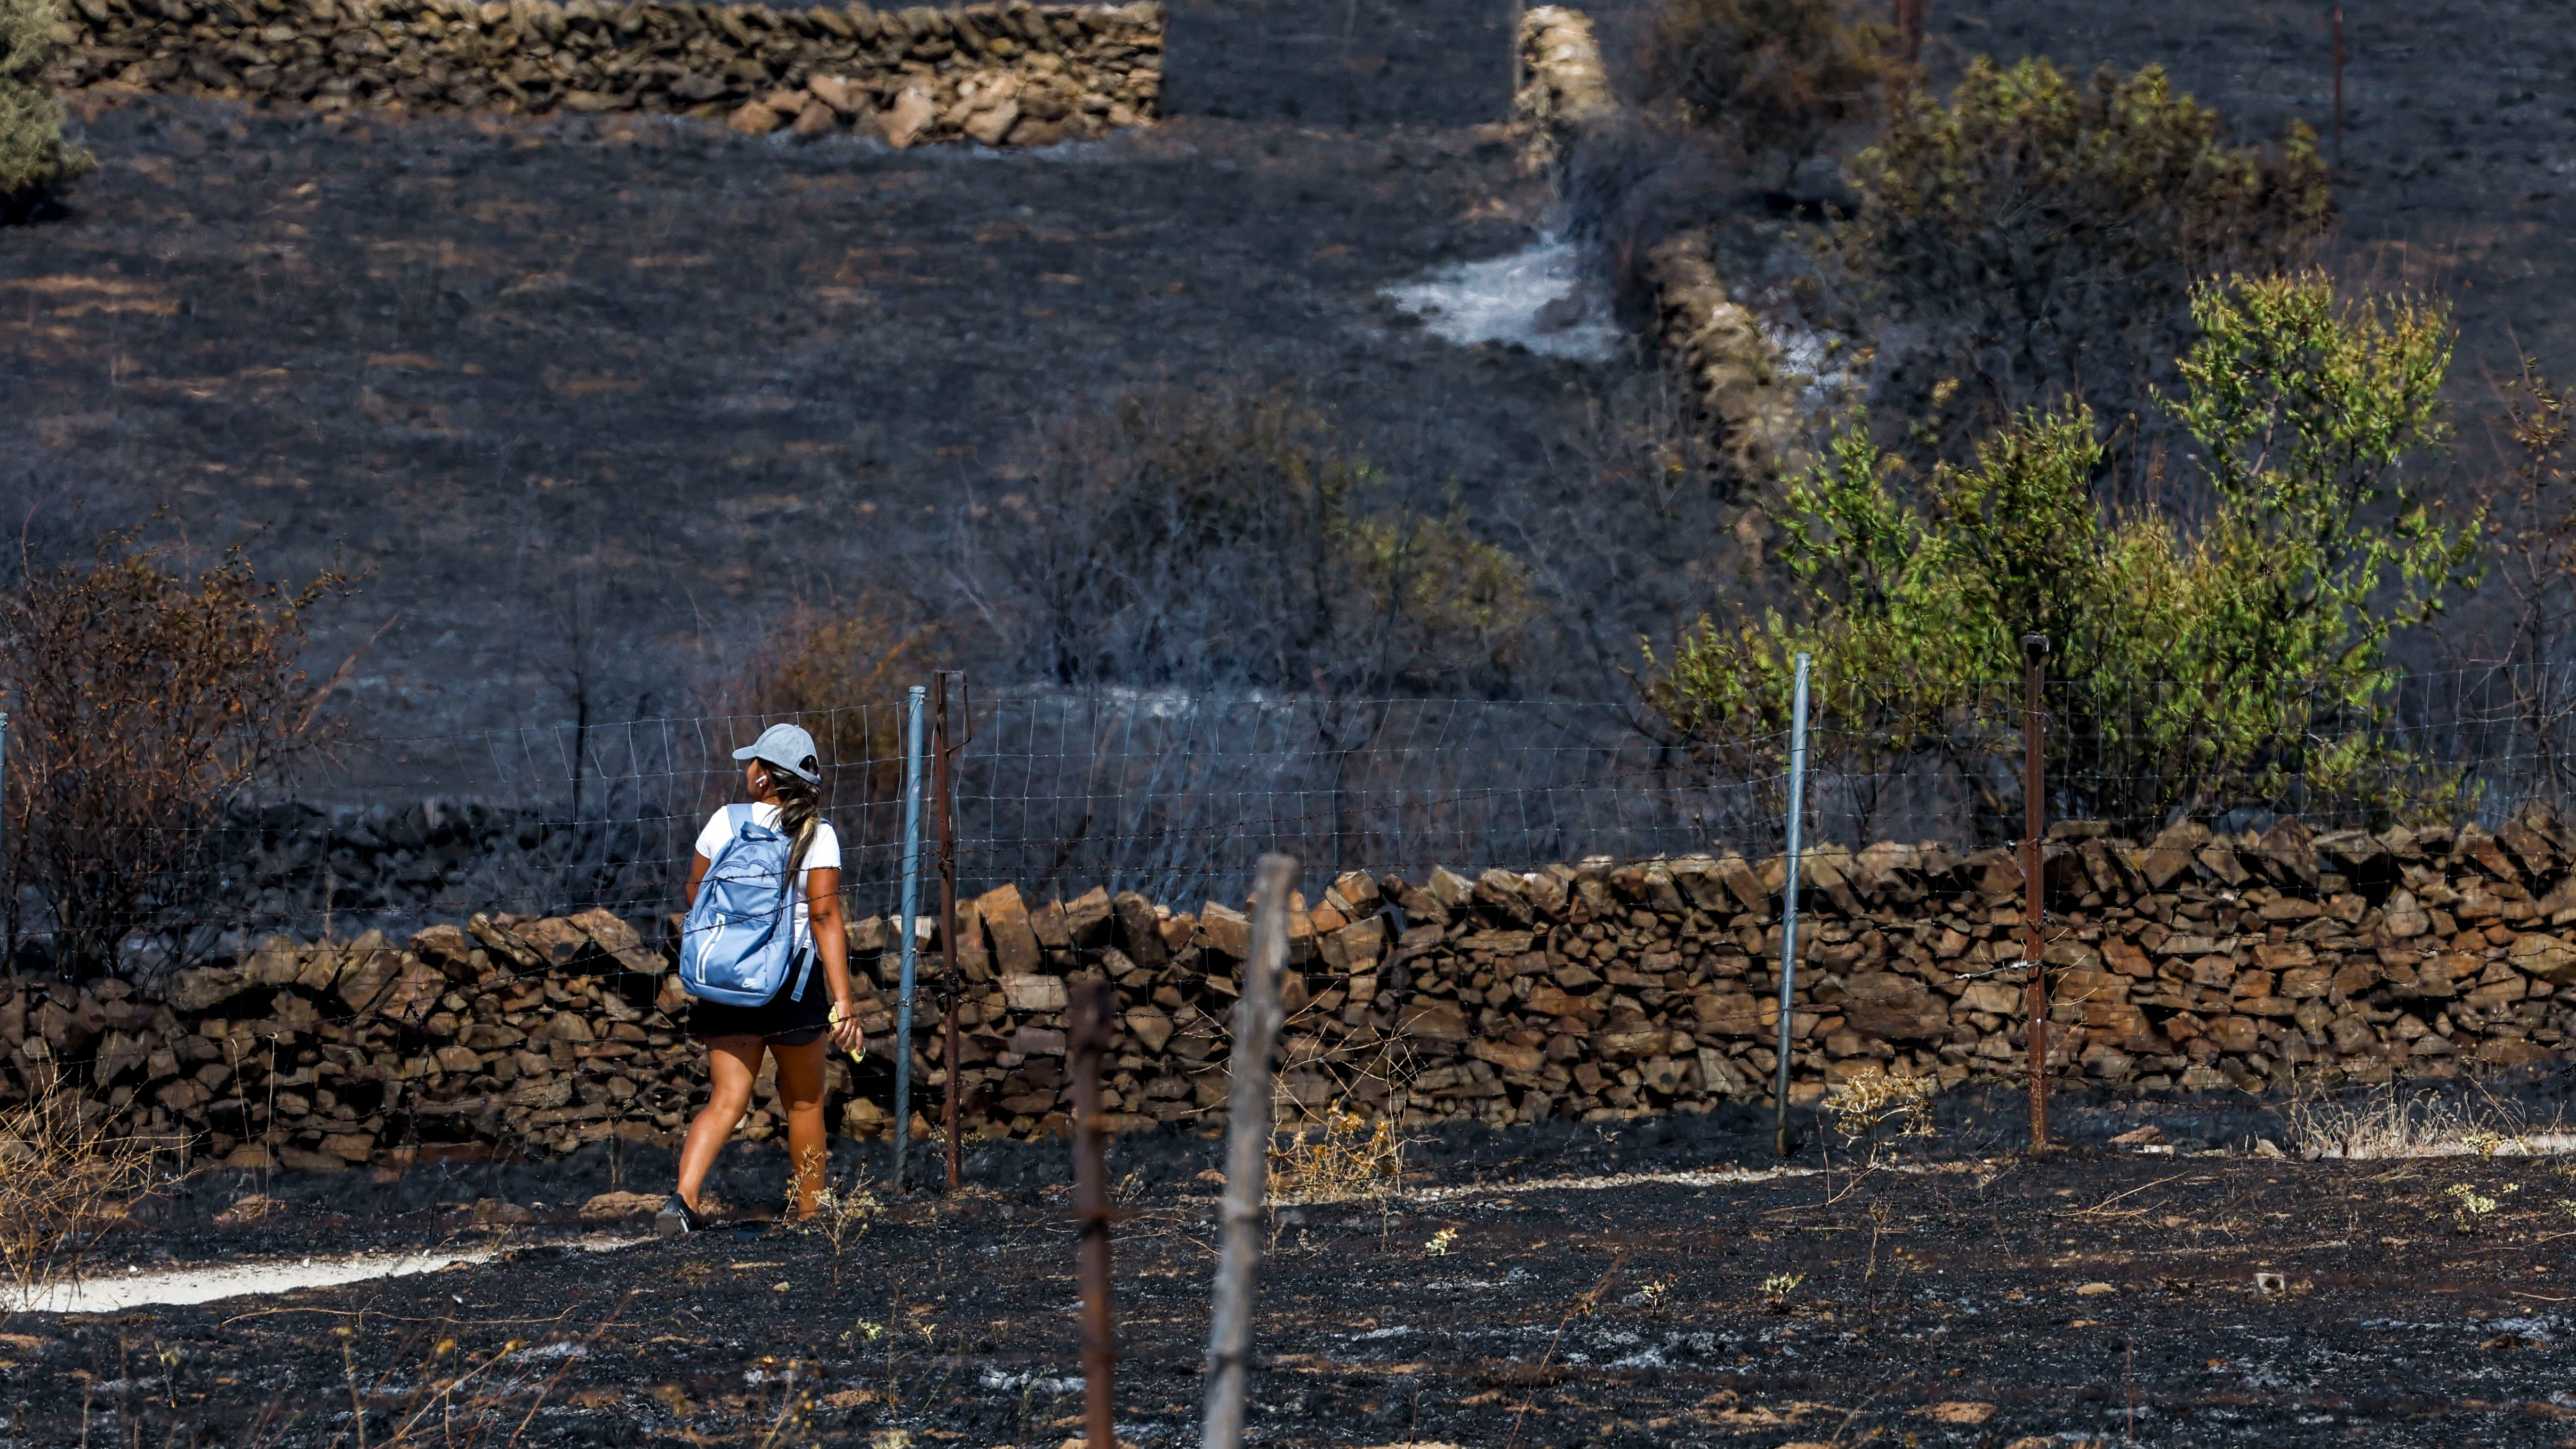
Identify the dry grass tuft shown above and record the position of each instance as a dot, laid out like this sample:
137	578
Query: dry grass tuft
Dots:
2385	1124
1862	1105
1341	1157
64	1183
841	1216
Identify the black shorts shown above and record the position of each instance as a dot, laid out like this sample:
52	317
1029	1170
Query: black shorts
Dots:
779	1021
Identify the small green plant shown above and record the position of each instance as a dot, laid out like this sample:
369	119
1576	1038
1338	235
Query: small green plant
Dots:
1777	1288
2470	1207
1438	1247
35	160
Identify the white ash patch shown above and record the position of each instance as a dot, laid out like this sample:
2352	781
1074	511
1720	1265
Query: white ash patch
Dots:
178	1288
1824	364
1543	297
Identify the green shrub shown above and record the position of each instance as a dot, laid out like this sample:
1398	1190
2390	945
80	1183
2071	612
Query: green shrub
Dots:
2271	619
34	158
1777	75
2048	234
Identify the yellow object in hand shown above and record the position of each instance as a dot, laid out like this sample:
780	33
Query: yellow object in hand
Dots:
858	1054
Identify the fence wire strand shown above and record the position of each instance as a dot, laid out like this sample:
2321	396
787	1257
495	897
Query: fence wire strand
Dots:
1175	795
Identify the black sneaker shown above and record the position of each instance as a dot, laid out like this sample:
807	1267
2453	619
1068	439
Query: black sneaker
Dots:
677	1217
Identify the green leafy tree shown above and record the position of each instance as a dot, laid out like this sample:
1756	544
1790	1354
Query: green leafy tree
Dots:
2238	659
2047	233
34	157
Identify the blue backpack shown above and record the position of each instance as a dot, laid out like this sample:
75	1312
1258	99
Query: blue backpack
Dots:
739	941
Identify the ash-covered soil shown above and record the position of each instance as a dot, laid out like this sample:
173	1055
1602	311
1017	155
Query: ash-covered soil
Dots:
586	400
1651	1283
589	400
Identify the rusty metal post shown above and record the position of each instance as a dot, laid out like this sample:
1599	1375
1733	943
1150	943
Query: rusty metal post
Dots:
942	785
2338	84
1247	1157
1090	1010
1909	30
2034	654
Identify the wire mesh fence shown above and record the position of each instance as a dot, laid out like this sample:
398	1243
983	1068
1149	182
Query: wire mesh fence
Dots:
1175	795
1169	795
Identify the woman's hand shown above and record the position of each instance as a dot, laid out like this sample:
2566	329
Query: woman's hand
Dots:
846	1033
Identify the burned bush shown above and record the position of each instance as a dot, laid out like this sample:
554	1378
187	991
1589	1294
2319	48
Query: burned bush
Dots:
1776	75
1208	540
144	699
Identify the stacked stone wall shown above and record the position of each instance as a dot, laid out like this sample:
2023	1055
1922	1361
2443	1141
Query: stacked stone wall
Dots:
2192	962
1006	74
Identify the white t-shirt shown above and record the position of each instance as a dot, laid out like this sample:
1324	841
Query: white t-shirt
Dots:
823	854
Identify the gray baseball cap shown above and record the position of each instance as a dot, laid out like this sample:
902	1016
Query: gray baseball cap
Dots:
788	747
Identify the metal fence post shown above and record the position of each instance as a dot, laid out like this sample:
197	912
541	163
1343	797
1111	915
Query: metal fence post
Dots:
1247	1157
1789	908
911	928
952	987
2034	654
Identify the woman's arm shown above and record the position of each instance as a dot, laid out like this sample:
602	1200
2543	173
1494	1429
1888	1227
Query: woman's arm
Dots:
697	876
832	943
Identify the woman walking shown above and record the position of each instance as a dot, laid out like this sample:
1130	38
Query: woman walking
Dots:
782	776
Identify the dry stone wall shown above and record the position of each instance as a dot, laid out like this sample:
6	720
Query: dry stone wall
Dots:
2190	962
1736	367
1561	85
1000	74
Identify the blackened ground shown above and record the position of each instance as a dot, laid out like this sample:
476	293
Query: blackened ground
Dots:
1341	62
1963	1298
1970	1125
586	400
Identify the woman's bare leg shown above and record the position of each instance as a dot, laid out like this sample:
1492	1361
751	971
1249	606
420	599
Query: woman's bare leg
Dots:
800	1092
733	1062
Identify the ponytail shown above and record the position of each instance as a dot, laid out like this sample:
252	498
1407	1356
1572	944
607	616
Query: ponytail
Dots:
800	813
